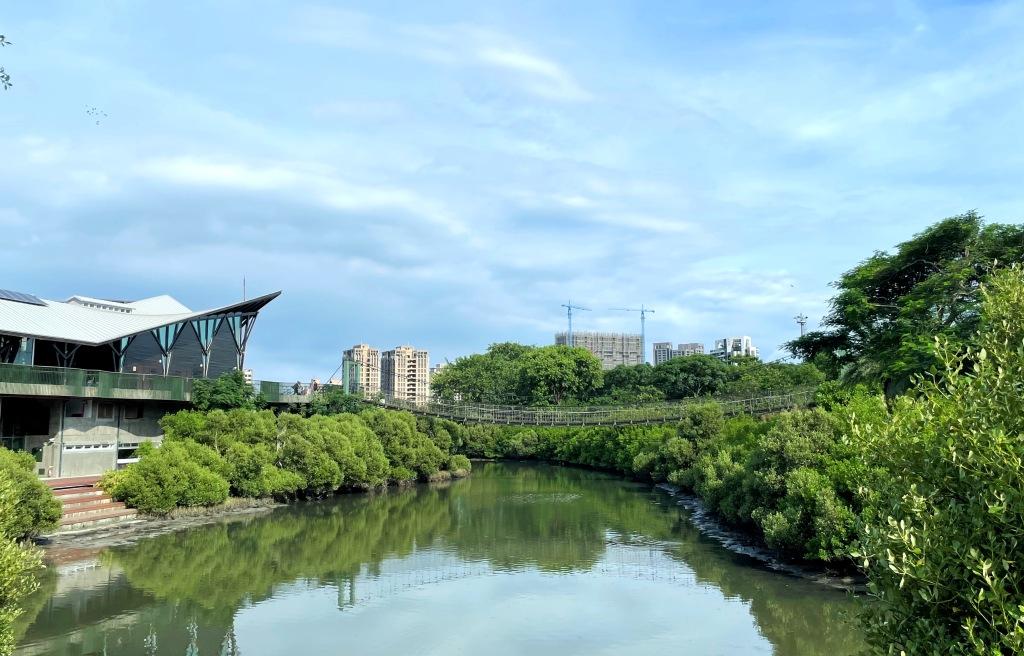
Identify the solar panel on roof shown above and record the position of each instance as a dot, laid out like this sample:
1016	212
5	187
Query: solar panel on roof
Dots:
19	297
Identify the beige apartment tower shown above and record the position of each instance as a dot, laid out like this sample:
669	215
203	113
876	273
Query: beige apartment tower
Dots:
612	349
368	360
405	374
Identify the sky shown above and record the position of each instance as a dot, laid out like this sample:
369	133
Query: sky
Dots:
448	174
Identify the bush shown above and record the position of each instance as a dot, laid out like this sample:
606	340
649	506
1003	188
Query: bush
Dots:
459	465
179	473
253	472
942	556
18	563
406	448
34	509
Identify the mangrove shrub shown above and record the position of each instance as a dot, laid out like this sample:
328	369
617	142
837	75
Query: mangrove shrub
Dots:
943	554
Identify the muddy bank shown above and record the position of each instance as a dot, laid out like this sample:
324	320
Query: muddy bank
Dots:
741	543
69	547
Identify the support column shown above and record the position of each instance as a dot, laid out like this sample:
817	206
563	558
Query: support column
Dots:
241	327
65	353
206	330
166	337
119	349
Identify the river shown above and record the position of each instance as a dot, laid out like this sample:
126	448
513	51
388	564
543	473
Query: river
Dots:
517	559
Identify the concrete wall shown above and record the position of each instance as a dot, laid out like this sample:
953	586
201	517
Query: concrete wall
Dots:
89	445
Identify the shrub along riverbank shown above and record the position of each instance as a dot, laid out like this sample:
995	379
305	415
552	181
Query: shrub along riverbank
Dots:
27	508
207	456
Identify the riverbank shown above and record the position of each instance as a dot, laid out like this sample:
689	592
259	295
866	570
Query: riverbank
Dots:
60	547
63	548
744	544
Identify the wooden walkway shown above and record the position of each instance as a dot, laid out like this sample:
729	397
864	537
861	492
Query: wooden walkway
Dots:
655	413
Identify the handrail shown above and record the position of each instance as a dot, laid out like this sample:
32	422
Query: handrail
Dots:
767	403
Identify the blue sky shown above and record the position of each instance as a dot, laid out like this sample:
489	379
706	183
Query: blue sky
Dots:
446	174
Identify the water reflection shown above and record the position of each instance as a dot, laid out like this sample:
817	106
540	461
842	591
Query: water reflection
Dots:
419	570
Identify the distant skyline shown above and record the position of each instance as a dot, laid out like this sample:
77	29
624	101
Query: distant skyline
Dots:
447	174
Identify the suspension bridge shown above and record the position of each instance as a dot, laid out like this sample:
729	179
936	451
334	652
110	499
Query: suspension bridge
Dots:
618	415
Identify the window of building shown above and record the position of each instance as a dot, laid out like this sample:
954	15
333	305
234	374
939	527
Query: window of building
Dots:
133	411
105	411
75	408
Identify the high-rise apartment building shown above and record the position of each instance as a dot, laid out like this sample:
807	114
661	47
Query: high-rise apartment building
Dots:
663	351
612	349
368	368
405	374
734	347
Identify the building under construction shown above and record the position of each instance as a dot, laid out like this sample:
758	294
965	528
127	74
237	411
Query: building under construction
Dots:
612	349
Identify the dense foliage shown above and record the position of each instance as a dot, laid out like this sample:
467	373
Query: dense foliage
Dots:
514	374
943	556
33	508
27	507
890	308
793	480
229	390
523	375
205	456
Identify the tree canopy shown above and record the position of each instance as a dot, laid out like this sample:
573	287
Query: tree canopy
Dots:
514	374
229	390
889	308
510	373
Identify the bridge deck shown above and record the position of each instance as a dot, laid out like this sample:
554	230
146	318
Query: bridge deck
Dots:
660	413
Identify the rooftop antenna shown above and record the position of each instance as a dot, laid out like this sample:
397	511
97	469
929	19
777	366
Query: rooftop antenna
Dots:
643	327
243	288
569	307
802	320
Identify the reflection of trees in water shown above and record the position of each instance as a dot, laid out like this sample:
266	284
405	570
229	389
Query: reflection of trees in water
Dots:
506	517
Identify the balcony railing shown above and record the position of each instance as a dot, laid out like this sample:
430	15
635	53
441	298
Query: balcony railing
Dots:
26	380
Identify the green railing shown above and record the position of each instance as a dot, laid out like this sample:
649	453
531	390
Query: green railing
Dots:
86	383
26	380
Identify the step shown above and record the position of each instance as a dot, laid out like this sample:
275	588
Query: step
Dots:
76	481
102	516
84	526
65	496
86	502
95	509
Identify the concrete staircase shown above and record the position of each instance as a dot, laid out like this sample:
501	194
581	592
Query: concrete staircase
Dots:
86	506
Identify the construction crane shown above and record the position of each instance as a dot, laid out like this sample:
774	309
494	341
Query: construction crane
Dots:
569	307
643	327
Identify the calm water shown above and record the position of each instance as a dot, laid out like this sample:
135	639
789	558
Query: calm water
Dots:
518	559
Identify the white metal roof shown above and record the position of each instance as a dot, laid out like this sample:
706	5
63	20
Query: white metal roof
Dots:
70	322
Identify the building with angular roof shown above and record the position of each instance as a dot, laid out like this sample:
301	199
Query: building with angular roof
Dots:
155	335
83	381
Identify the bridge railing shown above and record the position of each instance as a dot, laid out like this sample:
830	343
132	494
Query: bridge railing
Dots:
765	403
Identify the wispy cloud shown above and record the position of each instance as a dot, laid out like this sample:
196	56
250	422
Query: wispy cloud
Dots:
310	182
458	45
542	76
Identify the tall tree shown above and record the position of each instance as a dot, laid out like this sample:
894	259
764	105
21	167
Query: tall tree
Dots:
882	322
555	374
491	377
692	375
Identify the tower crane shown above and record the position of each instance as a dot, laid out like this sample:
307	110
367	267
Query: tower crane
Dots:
643	327
569	307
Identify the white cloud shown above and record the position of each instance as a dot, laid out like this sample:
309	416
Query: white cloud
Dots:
542	76
459	45
305	182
